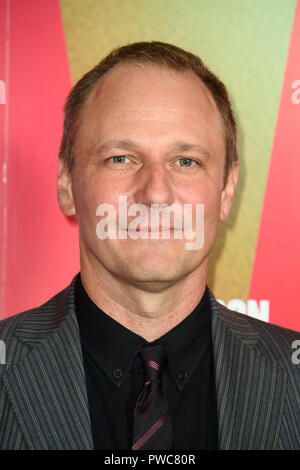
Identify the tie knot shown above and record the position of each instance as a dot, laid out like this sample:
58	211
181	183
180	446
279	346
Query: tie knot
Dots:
154	360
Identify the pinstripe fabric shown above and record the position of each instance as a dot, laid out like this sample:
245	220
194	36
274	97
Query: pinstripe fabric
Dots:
43	398
258	386
44	379
10	432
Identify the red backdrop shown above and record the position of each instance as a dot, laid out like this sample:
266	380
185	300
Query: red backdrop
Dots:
39	247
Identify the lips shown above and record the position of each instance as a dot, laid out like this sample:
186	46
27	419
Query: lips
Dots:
154	229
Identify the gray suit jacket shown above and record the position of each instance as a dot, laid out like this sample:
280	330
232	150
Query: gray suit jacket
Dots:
43	396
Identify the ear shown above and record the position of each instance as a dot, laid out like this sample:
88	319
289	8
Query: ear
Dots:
64	190
228	191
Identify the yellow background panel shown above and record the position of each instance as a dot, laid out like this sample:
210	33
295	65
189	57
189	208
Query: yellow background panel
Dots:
244	42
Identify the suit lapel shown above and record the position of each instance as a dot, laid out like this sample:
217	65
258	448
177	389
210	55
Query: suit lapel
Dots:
46	385
250	386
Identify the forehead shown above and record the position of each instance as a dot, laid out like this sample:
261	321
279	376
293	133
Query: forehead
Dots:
143	94
129	82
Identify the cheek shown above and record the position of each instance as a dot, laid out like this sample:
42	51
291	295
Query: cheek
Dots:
208	195
89	193
212	211
85	199
211	201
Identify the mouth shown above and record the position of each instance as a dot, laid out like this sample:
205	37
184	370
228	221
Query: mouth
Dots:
154	229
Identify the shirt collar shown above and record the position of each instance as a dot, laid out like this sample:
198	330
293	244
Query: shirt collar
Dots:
115	347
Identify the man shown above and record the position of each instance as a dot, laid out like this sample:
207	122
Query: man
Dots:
136	353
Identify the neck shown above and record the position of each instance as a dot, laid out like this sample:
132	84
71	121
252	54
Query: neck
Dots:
148	309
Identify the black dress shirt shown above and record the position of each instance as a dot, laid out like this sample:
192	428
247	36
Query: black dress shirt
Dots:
114	376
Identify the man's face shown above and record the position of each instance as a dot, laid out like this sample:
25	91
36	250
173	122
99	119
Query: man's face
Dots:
167	132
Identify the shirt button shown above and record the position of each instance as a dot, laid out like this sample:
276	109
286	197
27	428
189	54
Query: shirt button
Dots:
117	373
182	375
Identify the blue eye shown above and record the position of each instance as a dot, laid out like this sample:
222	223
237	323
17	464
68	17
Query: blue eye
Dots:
119	159
186	162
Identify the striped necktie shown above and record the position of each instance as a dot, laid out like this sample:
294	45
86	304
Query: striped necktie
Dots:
152	428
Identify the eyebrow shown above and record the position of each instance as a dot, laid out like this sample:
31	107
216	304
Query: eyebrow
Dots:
124	144
127	144
181	146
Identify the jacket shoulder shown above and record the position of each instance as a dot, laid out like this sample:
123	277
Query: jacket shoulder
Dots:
236	318
43	318
275	342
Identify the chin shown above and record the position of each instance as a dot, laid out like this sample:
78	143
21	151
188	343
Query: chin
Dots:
154	275
154	283
154	270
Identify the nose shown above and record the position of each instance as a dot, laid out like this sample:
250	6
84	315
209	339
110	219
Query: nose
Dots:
154	186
